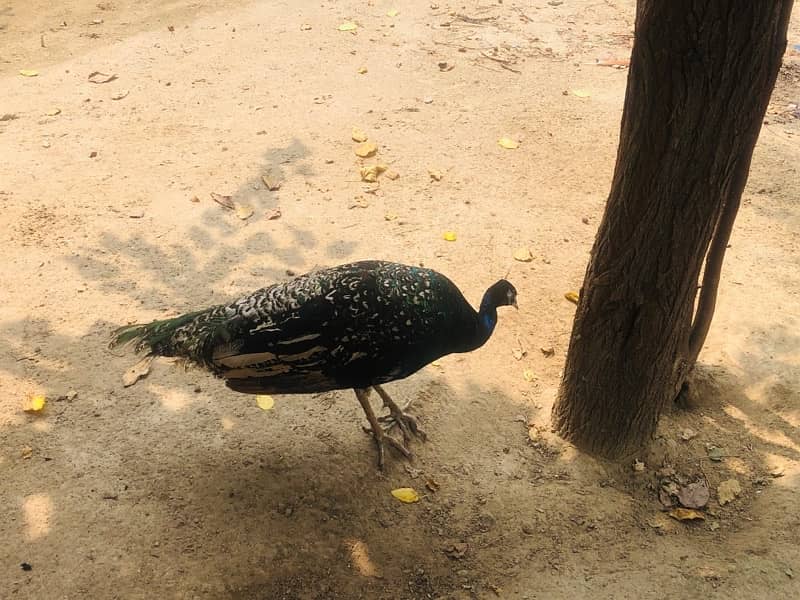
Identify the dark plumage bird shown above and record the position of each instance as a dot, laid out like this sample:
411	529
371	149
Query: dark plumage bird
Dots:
356	326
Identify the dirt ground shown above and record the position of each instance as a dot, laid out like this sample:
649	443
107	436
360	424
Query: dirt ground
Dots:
178	488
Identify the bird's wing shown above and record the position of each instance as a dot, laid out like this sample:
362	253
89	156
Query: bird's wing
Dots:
257	341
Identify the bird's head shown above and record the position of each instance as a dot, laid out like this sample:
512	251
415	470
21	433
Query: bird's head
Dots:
501	293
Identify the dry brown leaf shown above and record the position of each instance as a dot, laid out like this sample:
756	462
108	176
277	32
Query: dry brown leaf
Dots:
366	149
435	174
224	201
98	77
273	184
359	203
728	491
694	495
391	174
548	352
432	484
275	213
686	514
358	135
370	173
26	452
121	95
137	371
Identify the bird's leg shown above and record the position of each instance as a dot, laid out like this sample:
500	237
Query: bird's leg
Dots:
397	416
378	434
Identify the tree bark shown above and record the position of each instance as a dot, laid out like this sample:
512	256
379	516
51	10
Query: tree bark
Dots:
700	79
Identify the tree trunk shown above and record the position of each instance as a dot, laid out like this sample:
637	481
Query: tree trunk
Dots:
700	79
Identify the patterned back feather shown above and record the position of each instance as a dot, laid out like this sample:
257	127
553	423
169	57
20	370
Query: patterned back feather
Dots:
353	325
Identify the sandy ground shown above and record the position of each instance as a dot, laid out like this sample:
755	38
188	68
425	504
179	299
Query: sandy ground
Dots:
179	488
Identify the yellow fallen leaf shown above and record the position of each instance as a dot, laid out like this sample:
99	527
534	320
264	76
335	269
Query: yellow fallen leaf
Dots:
435	174
348	26
581	93
358	135
28	72
359	203
370	173
572	297
508	143
686	514
728	491
137	371
392	13
273	184
449	236
390	217
265	402
53	112
243	211
407	495
528	375
523	255
366	149
34	404
26	452
362	70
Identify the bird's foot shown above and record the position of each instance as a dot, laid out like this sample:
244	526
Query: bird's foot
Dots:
398	416
378	433
382	439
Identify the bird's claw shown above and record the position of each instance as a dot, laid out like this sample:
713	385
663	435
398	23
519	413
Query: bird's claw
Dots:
382	439
407	424
379	427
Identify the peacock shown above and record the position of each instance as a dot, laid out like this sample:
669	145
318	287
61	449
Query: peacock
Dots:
357	325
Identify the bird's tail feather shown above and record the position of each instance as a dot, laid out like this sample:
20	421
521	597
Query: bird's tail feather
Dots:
156	337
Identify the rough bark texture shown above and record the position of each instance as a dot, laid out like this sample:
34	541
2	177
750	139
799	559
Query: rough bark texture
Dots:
700	79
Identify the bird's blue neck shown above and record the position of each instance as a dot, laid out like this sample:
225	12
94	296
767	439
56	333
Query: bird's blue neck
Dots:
487	319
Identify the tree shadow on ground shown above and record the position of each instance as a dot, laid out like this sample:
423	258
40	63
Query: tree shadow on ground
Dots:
205	491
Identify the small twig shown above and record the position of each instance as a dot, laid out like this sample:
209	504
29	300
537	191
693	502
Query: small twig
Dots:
494	58
507	68
501	61
475	20
525	17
